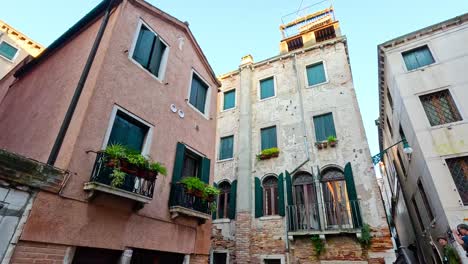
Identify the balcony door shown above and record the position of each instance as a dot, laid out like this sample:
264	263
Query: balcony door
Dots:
335	198
305	201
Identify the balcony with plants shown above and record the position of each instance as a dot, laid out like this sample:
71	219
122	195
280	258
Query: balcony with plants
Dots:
268	153
121	171
193	197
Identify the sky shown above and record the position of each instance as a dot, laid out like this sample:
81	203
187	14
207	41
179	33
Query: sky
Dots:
228	30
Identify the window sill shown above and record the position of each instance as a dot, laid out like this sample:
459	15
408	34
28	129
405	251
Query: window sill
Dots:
266	99
449	125
196	110
229	109
221	221
422	68
270	217
8	60
317	85
145	70
224	160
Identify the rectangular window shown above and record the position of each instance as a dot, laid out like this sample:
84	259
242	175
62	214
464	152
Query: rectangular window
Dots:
268	137
219	258
390	99
198	93
400	160
295	43
440	108
316	74
459	169
226	147
389	127
267	88
418	215
128	131
7	50
425	200
324	127
192	165
417	58
325	34
229	99
150	51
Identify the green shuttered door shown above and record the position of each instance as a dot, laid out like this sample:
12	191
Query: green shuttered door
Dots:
258	198
268	137
289	188
213	214
352	195
232	200
177	171
324	127
281	210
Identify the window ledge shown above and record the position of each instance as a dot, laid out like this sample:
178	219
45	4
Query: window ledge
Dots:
8	60
270	217
221	221
92	187
145	70
266	99
356	231
196	110
176	211
422	68
449	125
229	109
317	85
224	160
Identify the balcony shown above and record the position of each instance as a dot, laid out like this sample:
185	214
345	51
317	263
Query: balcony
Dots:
135	187
325	218
184	203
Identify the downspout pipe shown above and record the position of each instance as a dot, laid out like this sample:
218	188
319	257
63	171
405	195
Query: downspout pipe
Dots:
79	88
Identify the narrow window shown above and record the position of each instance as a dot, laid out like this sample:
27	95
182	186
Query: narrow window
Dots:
400	160
325	34
270	195
417	58
267	88
219	258
128	131
150	51
389	127
192	165
295	43
223	199
390	99
425	200
226	147
229	99
268	137
324	127
7	50
459	169
198	93
335	198
316	74
418	215
440	108
304	215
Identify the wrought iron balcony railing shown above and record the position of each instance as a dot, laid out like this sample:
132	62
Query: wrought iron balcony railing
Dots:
136	182
345	215
180	197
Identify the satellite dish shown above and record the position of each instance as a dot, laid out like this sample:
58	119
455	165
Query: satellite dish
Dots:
173	108
181	114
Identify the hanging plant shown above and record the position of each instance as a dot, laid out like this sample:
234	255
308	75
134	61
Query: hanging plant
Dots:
318	244
118	177
366	236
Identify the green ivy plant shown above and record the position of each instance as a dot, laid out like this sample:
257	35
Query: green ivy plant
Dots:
318	244
213	207
118	177
365	239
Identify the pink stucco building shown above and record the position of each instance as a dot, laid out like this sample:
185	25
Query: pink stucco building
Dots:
149	87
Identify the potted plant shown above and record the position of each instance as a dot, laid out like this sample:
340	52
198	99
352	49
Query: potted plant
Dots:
268	153
115	153
324	144
118	177
332	141
193	186
155	168
319	145
210	193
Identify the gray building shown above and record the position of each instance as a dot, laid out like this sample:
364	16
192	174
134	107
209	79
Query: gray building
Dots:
423	97
293	164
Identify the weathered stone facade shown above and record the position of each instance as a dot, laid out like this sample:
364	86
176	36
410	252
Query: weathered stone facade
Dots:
258	237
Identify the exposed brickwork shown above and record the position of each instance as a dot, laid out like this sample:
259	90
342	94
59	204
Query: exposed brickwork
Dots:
198	259
381	240
267	238
243	230
38	253
377	261
219	242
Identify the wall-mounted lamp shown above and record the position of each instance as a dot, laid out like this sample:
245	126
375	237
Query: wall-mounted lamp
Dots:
406	149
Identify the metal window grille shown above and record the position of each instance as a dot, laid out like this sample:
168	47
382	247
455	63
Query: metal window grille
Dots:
459	169
325	34
295	43
440	108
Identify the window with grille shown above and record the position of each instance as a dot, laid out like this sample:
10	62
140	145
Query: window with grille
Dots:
459	169
325	34
270	196
223	200
440	108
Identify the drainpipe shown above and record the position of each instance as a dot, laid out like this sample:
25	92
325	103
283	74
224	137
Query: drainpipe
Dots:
306	147
79	88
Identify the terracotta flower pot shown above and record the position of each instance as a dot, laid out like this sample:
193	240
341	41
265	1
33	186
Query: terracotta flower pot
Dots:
319	145
198	193
275	155
332	144
324	144
210	198
126	167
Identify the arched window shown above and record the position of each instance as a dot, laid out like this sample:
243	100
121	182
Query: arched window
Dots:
223	200
306	215
335	198
270	195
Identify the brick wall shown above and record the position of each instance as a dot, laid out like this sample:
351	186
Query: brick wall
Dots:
243	229
219	242
267	238
38	253
198	259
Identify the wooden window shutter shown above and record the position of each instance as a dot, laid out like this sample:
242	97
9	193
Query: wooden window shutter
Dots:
213	214
281	195
205	170
352	196
232	200
258	198
177	170
289	188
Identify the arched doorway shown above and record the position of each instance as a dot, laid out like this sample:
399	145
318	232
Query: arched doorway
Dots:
335	199
306	215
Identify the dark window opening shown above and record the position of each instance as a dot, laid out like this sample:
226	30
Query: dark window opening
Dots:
389	127
149	51
425	200
390	99
270	196
223	200
192	165
325	34
143	256
128	131
198	93
295	43
418	215
85	255
219	258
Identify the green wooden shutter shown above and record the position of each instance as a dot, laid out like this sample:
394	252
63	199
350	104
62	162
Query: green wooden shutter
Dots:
205	170
352	196
281	210
156	56
125	131
7	50
226	147
267	88
316	74
268	137
177	170
258	198
324	126
213	214
232	200
289	188
143	47
229	99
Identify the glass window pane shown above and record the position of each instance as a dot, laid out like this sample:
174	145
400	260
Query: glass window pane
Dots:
144	46
229	99
268	138
226	147
316	74
267	88
7	50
